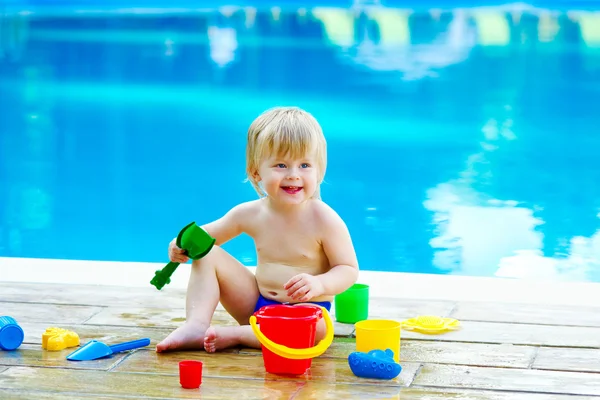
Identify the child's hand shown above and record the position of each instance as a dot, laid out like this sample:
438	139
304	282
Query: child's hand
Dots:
176	254
304	287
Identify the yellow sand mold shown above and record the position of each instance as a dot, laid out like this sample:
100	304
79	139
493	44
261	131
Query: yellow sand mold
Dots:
55	339
430	324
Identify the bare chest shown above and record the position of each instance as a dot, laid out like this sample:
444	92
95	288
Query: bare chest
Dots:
300	247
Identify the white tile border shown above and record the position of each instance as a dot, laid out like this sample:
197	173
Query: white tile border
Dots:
382	284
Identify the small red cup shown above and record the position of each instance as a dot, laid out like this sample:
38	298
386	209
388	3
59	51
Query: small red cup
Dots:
190	374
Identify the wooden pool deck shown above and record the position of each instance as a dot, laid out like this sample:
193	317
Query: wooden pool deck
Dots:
503	351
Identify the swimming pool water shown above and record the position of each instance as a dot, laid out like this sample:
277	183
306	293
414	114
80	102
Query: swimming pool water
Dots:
460	141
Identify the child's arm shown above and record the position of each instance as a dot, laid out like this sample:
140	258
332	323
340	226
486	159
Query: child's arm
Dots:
229	225
339	249
223	229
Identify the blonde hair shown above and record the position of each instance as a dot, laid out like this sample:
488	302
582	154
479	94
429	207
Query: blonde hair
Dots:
282	131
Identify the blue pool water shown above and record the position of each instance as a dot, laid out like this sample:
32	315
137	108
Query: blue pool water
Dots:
461	141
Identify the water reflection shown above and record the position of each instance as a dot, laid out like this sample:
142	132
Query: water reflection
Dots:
461	141
413	45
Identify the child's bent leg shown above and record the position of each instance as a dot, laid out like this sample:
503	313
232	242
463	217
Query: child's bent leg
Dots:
321	330
321	327
216	277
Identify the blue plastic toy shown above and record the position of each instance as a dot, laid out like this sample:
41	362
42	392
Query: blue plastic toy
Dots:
377	364
11	334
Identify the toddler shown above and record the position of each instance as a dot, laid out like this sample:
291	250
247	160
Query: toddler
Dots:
304	250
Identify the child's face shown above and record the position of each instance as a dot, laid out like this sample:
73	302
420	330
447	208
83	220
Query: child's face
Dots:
287	180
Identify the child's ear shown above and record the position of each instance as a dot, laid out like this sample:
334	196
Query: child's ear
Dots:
256	176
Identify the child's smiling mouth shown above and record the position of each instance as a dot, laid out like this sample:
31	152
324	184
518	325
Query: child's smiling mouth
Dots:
292	189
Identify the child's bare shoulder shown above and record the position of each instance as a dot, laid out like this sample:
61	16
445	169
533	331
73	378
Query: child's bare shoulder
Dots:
326	216
245	214
246	209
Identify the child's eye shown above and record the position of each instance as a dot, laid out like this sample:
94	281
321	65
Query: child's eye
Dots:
280	165
305	165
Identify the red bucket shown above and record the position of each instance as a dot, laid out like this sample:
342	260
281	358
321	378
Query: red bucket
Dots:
294	327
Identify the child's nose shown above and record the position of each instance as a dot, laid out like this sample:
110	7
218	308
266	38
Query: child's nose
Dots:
293	173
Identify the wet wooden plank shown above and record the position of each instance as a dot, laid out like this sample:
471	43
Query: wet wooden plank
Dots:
342	330
151	317
49	313
335	391
535	381
419	351
400	309
171	318
92	295
523	334
35	356
528	314
221	365
395	309
107	334
566	359
78	383
16	394
478	354
115	296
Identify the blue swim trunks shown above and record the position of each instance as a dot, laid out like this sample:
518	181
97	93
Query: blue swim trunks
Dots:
267	302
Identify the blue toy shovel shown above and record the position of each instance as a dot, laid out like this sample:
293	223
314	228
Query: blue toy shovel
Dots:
94	349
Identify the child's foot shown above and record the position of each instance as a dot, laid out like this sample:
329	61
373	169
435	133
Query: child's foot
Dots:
222	337
186	337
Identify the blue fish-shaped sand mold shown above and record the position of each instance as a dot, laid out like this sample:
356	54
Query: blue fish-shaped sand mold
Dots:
376	364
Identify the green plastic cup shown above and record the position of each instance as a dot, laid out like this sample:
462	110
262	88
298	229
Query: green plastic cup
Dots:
352	305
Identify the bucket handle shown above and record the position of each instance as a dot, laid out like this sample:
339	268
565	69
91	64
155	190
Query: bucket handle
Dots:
296	354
